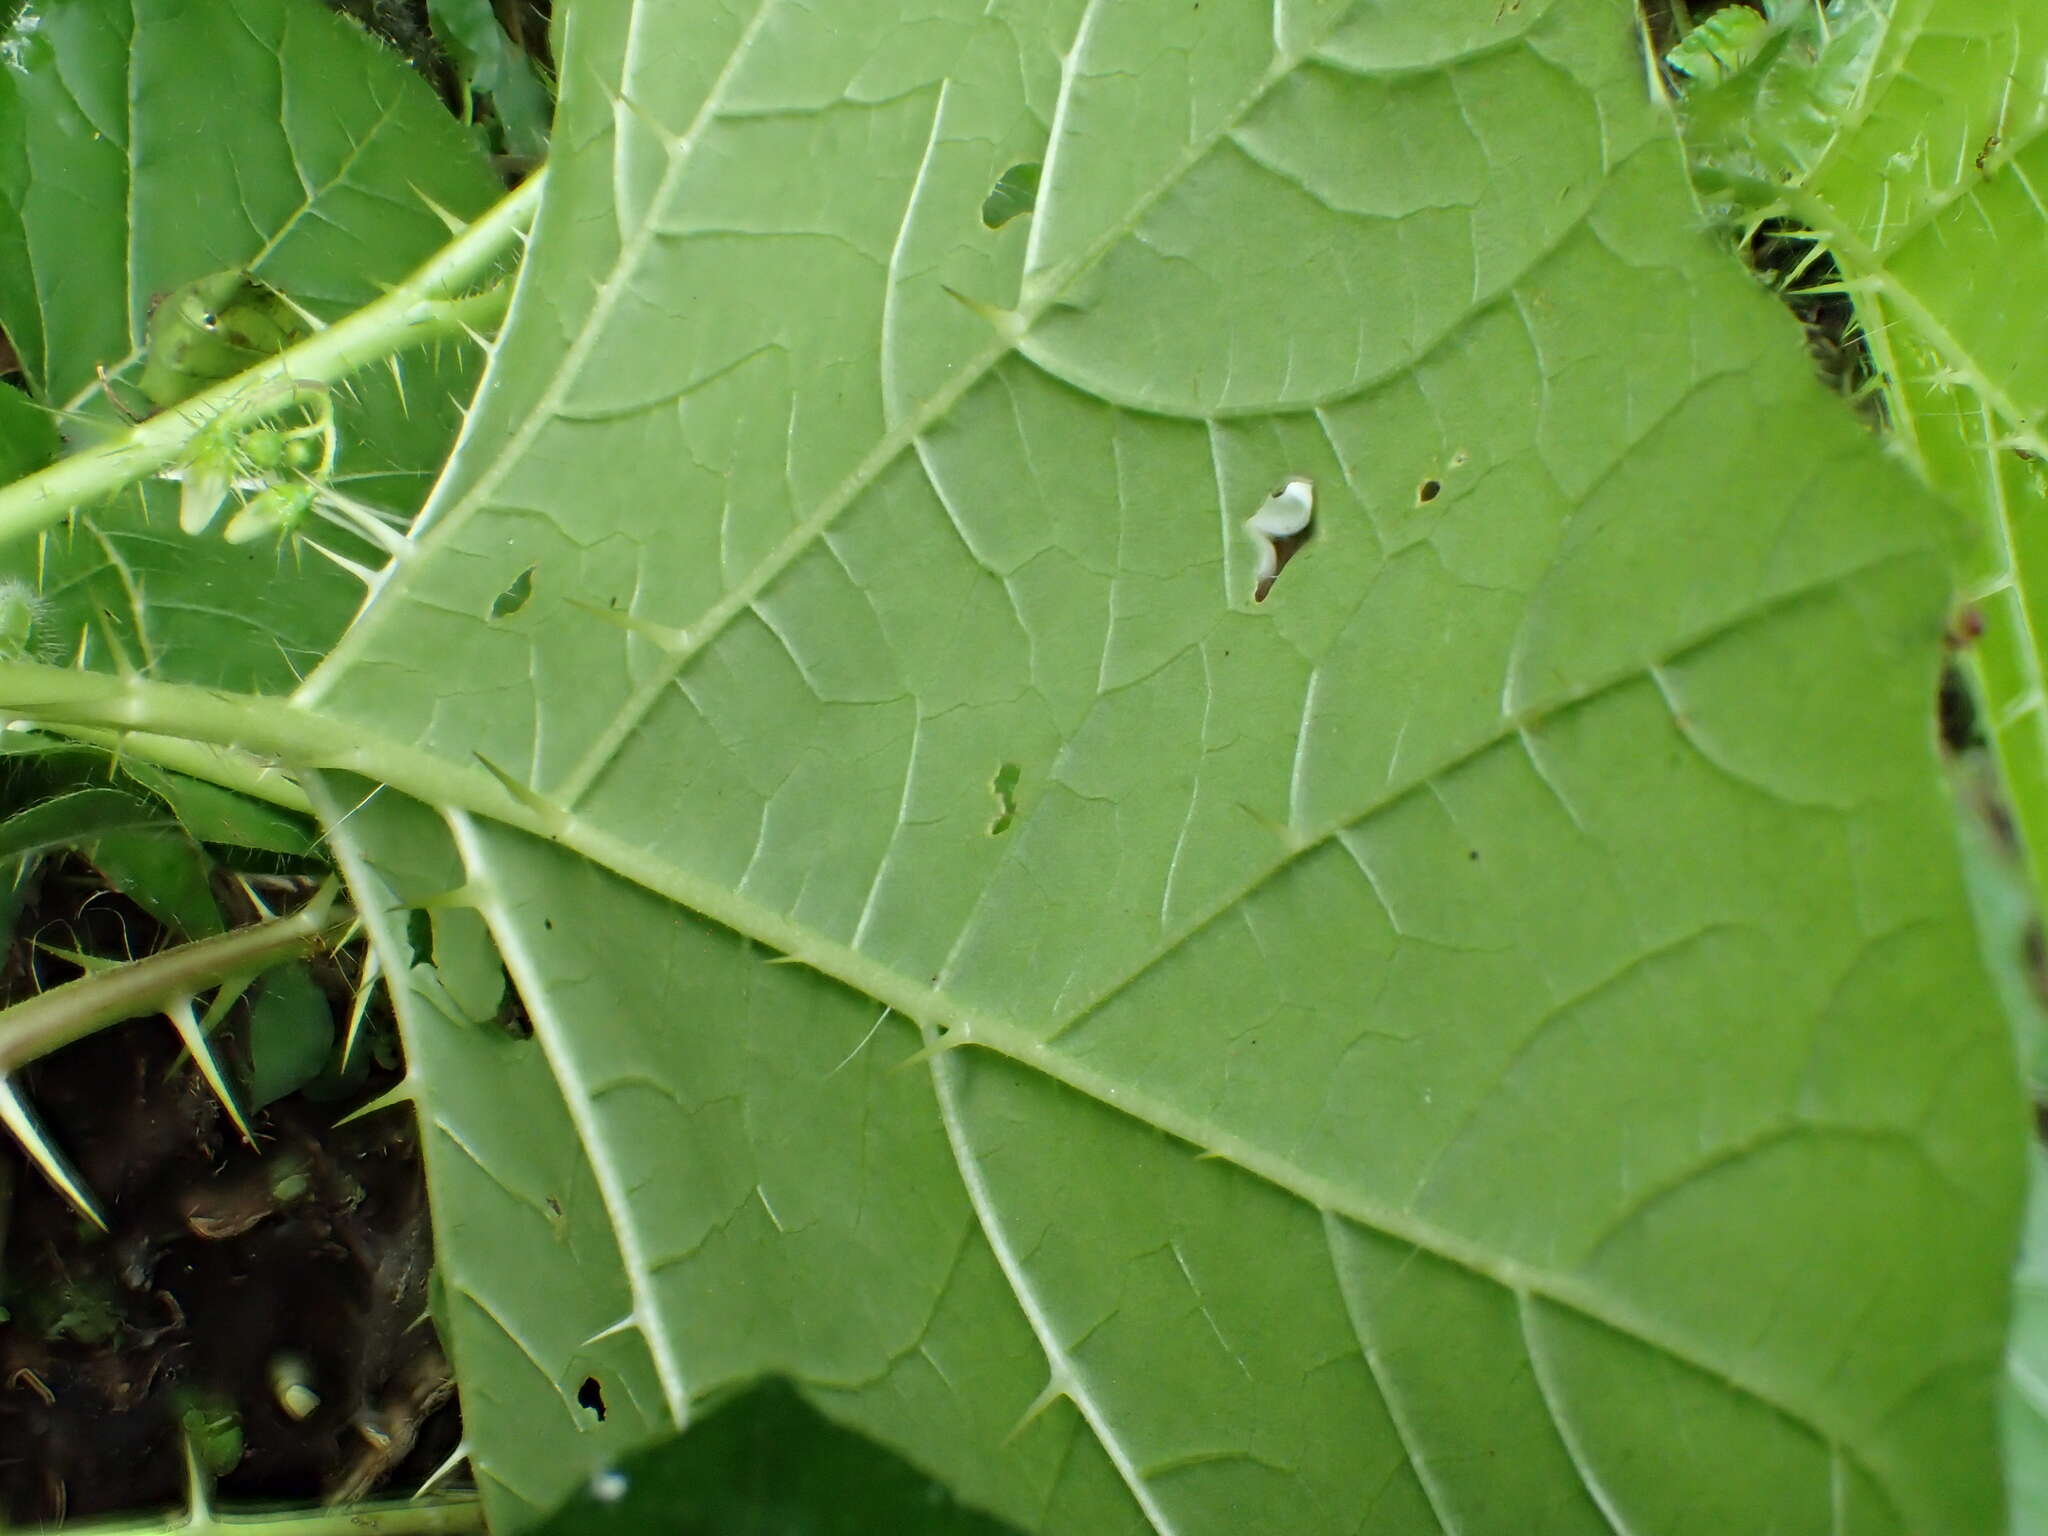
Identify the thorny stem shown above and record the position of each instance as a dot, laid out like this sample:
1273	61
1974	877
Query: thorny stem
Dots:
1872	275
257	777
42	1023
422	1517
448	1515
427	305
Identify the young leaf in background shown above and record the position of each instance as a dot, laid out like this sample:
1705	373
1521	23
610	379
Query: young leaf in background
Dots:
121	181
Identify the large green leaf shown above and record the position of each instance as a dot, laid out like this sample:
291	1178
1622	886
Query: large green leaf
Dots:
1487	1038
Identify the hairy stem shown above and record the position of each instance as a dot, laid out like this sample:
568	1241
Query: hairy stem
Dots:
430	303
257	777
421	1517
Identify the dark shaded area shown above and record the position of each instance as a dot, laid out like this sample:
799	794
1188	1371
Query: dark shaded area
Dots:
406	27
1809	283
1955	711
1004	787
227	1272
769	1464
1806	279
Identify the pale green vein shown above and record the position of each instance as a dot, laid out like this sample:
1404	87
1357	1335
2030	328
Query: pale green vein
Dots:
1067	1380
514	943
304	738
1044	289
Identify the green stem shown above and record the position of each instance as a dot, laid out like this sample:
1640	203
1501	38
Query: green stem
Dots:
303	739
1865	271
63	1014
257	777
65	700
431	303
419	1517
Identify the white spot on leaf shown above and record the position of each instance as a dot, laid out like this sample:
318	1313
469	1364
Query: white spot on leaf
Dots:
1280	527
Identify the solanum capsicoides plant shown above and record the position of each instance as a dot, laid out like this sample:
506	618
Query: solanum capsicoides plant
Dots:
1473	1025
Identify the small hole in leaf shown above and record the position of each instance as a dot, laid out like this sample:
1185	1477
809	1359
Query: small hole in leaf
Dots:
2034	956
513	598
1955	709
1473	855
1004	787
1014	194
1429	490
590	1395
512	1015
1284	522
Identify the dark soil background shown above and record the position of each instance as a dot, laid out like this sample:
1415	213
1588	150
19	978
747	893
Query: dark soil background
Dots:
224	1267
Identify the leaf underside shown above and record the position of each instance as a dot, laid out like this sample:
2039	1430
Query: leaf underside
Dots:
1484	1039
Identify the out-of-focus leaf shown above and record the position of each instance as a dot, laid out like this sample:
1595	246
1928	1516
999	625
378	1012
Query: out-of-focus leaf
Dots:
80	817
1767	96
766	1463
1913	144
291	1034
165	873
494	65
1723	44
215	815
129	167
28	438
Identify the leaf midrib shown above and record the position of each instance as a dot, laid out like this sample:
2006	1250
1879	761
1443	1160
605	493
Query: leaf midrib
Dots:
555	817
306	739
